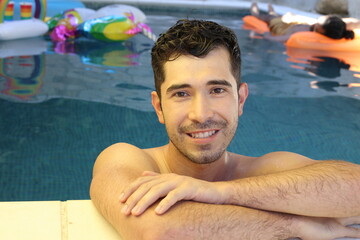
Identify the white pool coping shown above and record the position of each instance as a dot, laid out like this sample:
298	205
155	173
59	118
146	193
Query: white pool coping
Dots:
212	4
53	220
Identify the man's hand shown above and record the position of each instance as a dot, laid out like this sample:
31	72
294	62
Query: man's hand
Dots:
149	188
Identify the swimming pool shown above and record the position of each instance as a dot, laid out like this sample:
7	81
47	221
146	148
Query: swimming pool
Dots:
61	107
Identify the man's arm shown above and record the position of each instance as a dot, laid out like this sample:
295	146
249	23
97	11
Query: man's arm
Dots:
283	182
321	189
120	164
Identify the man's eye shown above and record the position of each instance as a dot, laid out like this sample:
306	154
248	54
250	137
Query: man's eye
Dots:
180	94
218	90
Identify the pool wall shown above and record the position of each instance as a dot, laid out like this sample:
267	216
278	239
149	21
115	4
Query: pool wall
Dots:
306	6
227	6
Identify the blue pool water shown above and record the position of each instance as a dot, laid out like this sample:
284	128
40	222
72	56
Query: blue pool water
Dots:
63	105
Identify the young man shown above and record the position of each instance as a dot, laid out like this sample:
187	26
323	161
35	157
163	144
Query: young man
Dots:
193	188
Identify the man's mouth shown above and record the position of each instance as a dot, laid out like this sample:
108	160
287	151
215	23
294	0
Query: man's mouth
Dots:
203	134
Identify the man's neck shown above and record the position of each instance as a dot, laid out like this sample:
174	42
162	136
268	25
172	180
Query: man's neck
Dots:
177	163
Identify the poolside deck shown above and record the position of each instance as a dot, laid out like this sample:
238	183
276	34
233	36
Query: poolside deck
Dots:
55	220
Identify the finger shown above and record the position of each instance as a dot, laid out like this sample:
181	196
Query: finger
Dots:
133	186
140	193
170	200
155	193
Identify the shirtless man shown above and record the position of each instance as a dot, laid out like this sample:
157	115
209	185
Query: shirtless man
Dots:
193	188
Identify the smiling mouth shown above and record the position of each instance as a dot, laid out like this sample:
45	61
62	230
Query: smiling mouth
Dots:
203	134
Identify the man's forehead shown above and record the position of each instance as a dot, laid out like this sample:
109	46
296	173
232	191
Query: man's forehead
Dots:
213	68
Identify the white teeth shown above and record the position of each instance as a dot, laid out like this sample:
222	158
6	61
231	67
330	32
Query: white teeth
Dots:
203	134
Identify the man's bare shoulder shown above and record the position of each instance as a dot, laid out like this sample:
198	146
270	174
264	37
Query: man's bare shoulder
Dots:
126	155
269	163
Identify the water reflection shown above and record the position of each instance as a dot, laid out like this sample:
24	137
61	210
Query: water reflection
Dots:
35	70
326	64
114	54
22	69
331	86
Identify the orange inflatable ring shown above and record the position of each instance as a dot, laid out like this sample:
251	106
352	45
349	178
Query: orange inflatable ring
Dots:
307	40
317	41
255	24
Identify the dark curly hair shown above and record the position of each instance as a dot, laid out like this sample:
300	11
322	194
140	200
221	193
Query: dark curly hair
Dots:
334	27
196	38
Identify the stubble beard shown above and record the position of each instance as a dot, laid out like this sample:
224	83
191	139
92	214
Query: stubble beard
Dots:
208	153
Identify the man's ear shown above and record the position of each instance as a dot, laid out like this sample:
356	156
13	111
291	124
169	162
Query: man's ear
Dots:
243	94
155	100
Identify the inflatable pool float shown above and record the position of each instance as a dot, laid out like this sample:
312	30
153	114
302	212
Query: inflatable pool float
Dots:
75	16
40	9
317	41
302	47
120	9
312	45
111	23
110	28
23	28
254	24
308	40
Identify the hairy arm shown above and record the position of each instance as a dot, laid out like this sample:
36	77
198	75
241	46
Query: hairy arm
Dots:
319	189
281	182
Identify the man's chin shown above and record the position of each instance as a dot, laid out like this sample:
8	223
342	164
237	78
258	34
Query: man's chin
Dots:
204	158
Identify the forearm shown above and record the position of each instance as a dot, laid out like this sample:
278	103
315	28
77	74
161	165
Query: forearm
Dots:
193	220
323	189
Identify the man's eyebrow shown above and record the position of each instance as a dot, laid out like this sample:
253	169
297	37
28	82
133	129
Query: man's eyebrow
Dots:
219	82
177	86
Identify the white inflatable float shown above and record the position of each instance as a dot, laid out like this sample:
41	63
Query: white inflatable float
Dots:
22	29
119	9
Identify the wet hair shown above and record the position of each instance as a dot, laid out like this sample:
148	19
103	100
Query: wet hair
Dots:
334	27
196	38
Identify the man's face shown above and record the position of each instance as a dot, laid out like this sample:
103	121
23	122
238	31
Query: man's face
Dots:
200	105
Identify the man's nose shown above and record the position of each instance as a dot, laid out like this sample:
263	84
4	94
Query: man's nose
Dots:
200	109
